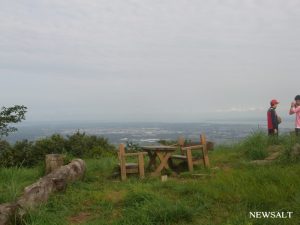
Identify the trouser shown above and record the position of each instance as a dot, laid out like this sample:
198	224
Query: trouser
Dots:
271	132
297	131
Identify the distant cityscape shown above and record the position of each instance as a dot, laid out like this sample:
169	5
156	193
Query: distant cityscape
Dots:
146	133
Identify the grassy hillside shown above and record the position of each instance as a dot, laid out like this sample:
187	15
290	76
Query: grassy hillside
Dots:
224	194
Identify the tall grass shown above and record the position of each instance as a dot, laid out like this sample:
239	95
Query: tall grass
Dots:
289	142
255	146
258	145
14	179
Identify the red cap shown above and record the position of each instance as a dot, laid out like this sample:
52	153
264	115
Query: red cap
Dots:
274	102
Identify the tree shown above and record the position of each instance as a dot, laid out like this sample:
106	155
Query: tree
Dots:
14	114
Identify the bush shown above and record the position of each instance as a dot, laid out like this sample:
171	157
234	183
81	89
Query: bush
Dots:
82	145
4	149
50	145
26	153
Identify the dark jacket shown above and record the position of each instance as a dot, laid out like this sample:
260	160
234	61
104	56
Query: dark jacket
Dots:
272	119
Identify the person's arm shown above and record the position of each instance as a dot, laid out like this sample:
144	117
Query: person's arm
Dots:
294	108
274	119
297	109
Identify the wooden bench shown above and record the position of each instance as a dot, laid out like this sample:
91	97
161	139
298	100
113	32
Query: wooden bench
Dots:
187	152
129	168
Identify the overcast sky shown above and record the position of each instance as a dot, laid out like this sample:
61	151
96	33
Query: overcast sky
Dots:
149	60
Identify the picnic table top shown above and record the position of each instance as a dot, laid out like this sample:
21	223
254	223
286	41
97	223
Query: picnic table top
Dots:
158	148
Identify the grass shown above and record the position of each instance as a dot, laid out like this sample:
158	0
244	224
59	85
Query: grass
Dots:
231	189
13	180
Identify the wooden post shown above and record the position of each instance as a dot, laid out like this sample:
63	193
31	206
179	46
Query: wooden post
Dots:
141	165
53	162
205	152
122	161
181	142
189	157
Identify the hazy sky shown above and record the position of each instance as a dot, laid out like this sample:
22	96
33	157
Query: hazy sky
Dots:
148	60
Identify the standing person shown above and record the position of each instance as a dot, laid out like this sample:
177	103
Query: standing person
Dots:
273	118
295	109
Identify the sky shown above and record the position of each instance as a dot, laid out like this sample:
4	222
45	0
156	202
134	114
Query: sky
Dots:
149	60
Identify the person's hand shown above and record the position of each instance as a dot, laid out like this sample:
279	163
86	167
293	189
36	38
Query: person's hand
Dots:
279	120
293	104
275	131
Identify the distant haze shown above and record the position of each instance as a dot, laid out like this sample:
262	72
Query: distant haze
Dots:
149	60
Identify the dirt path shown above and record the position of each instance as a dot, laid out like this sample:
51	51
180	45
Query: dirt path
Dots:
275	152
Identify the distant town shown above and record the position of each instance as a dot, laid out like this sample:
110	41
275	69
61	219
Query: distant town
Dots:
221	132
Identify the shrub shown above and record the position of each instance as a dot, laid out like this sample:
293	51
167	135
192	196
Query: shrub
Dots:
5	157
50	145
82	145
28	153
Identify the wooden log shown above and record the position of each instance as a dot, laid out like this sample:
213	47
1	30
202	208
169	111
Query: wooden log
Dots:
53	162
7	210
39	192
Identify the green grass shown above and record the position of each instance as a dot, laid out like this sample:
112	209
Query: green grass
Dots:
231	189
13	180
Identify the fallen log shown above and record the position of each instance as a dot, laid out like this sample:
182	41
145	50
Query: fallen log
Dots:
39	192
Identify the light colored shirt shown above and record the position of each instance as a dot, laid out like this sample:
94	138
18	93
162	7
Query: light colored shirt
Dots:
296	110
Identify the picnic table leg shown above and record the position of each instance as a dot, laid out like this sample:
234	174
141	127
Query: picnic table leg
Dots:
163	164
161	158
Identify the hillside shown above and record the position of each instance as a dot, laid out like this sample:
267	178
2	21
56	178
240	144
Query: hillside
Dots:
224	194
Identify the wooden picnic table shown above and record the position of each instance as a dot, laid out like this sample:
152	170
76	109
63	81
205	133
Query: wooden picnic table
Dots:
163	153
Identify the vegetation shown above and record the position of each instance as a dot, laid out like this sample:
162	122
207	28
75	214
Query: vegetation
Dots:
27	154
10	115
259	146
222	195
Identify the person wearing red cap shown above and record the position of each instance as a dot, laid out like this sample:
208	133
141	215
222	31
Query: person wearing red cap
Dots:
273	118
